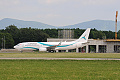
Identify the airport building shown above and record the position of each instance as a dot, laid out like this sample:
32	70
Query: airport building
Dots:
94	45
66	34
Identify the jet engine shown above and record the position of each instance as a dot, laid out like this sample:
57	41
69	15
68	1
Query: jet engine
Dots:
42	49
79	45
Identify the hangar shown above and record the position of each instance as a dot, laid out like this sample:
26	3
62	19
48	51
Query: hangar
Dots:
94	45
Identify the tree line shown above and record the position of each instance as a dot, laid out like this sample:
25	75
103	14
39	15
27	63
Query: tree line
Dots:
13	35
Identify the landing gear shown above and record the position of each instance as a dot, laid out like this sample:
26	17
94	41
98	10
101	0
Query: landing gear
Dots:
52	51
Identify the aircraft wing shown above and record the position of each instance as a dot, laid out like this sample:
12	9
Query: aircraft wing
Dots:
86	43
53	47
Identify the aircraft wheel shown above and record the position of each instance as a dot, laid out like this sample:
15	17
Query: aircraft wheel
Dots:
52	51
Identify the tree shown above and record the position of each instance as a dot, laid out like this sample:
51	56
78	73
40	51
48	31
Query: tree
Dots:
78	32
109	34
9	42
53	33
32	35
14	31
118	34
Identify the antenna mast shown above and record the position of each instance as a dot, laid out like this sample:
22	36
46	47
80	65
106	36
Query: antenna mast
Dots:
116	25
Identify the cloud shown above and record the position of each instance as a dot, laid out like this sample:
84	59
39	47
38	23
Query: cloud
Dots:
48	16
59	12
9	2
81	2
97	2
52	1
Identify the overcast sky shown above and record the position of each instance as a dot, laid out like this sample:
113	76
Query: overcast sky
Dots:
59	12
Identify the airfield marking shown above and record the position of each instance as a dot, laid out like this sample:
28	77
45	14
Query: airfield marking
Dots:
59	58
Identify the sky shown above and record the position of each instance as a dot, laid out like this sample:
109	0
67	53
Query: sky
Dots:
59	12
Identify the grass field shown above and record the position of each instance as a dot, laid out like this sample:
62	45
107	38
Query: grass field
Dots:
59	70
61	55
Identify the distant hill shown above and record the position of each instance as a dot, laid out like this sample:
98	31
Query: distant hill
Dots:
23	24
105	25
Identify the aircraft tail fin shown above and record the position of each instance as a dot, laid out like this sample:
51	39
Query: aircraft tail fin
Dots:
84	36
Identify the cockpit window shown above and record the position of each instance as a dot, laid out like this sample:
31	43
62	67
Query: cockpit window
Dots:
18	45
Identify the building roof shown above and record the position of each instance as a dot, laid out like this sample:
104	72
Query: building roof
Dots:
112	40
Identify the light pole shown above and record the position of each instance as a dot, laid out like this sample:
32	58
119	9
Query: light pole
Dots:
4	42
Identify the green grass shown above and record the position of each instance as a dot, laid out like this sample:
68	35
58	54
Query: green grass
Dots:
59	70
61	55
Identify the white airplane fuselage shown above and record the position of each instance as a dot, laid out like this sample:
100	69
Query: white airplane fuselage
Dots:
37	45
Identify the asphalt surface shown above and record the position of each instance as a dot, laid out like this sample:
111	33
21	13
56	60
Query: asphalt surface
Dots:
59	58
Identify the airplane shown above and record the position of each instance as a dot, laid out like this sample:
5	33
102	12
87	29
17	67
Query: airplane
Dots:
53	46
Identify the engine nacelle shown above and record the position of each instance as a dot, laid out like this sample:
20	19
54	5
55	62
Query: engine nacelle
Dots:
79	45
42	49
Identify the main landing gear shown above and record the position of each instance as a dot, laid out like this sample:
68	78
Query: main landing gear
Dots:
52	51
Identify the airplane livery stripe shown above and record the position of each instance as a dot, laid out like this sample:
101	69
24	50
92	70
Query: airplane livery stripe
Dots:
65	45
45	44
54	45
83	38
30	48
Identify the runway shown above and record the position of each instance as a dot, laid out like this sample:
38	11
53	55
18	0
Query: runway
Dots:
59	58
